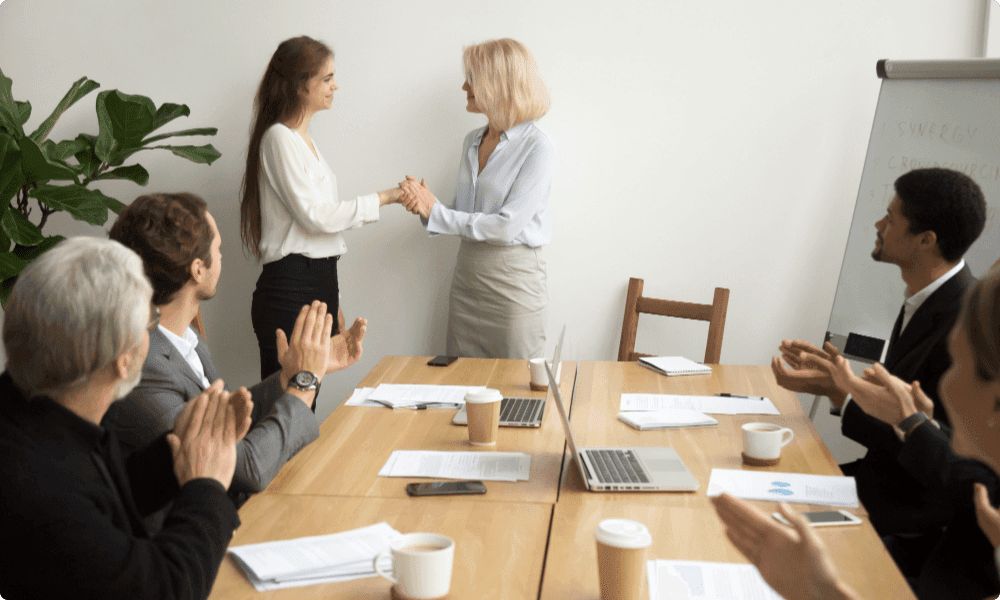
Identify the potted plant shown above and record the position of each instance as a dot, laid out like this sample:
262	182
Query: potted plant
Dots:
31	163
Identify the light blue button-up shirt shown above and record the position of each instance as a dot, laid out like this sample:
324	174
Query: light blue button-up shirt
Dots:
508	203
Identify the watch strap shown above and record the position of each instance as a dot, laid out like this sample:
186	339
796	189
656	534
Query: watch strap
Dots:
910	423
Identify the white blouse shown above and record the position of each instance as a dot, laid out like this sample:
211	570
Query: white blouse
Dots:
508	203
300	210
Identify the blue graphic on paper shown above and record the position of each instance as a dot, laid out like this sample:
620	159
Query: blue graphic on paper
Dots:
780	489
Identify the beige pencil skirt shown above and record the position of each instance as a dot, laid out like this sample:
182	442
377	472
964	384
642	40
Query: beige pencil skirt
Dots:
498	300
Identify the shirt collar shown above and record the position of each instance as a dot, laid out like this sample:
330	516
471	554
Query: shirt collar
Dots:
183	344
918	298
514	132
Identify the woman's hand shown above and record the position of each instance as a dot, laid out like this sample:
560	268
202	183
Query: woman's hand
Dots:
792	560
417	197
389	196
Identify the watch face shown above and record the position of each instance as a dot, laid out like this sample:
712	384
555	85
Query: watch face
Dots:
305	380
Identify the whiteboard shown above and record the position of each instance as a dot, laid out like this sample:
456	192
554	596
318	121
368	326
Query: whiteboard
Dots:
942	114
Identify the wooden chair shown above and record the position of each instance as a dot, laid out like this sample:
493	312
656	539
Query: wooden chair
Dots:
635	303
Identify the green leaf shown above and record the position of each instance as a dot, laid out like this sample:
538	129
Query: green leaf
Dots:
87	157
11	266
134	173
11	175
19	229
5	289
37	168
31	253
113	204
200	154
124	121
78	90
82	204
168	112
4	240
63	149
202	131
22	112
8	108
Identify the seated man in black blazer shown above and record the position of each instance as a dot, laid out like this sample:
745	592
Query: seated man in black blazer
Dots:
75	332
179	243
933	219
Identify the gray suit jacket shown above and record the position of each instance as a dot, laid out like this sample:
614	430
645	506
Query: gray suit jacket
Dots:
282	424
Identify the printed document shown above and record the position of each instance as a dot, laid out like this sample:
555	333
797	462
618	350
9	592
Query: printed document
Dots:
711	405
690	580
828	490
398	395
490	466
317	559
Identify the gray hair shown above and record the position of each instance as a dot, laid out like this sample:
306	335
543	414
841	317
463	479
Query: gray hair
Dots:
74	311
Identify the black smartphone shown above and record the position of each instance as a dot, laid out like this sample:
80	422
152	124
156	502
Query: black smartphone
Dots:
442	361
445	488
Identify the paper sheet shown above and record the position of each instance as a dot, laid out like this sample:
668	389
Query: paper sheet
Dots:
316	559
712	405
827	490
408	395
489	466
690	580
360	398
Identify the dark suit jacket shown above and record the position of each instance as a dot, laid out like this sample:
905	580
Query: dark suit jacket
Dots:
282	424
71	508
896	502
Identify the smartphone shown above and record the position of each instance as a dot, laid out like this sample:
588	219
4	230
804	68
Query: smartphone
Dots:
442	361
445	488
824	518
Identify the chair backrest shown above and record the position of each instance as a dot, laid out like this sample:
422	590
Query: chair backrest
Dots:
635	303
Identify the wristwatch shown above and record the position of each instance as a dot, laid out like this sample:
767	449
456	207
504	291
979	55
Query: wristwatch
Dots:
910	423
305	381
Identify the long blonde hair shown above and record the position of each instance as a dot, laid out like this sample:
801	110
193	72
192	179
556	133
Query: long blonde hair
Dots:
504	78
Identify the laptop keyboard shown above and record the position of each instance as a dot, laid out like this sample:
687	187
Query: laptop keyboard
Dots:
520	410
617	466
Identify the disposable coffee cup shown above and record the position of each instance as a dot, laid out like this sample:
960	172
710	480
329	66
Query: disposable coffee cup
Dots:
539	378
421	565
483	410
621	559
762	443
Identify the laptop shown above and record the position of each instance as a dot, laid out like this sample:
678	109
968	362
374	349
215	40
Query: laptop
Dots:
626	469
520	412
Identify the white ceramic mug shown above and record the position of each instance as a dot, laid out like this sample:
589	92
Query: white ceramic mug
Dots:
765	440
421	563
539	378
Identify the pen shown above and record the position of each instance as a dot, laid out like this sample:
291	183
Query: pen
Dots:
727	395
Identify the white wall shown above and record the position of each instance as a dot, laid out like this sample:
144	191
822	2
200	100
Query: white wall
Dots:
701	143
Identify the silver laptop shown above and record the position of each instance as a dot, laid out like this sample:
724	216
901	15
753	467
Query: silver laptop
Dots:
520	412
627	469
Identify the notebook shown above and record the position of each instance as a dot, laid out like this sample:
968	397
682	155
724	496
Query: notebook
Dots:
521	412
674	365
626	469
666	419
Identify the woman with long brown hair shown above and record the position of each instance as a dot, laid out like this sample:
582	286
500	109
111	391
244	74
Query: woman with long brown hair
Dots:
291	218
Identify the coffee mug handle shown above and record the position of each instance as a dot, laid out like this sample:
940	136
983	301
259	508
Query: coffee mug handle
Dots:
380	571
791	434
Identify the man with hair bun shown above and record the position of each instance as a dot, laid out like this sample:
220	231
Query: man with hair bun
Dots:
75	332
179	243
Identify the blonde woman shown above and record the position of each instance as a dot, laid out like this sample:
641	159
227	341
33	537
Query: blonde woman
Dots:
499	288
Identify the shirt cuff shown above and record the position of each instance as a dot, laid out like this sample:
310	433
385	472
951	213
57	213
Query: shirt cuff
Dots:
370	207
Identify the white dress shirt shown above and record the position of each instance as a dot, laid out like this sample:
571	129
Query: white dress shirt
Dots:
186	346
299	207
508	203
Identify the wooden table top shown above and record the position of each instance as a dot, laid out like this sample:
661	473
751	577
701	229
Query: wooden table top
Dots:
499	546
355	442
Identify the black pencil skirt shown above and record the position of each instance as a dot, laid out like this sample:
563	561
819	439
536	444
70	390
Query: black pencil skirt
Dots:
283	287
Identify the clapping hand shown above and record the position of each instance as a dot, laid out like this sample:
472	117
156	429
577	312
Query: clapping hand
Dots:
417	197
987	516
802	377
309	347
203	442
792	560
345	348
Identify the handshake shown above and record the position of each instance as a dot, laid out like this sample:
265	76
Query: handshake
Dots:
414	195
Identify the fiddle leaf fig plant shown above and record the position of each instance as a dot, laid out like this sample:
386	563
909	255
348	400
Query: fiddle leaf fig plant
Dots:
39	176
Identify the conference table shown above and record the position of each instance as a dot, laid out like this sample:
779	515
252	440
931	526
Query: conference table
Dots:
534	539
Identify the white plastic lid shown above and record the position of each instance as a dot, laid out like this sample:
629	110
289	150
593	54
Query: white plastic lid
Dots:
483	396
622	533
